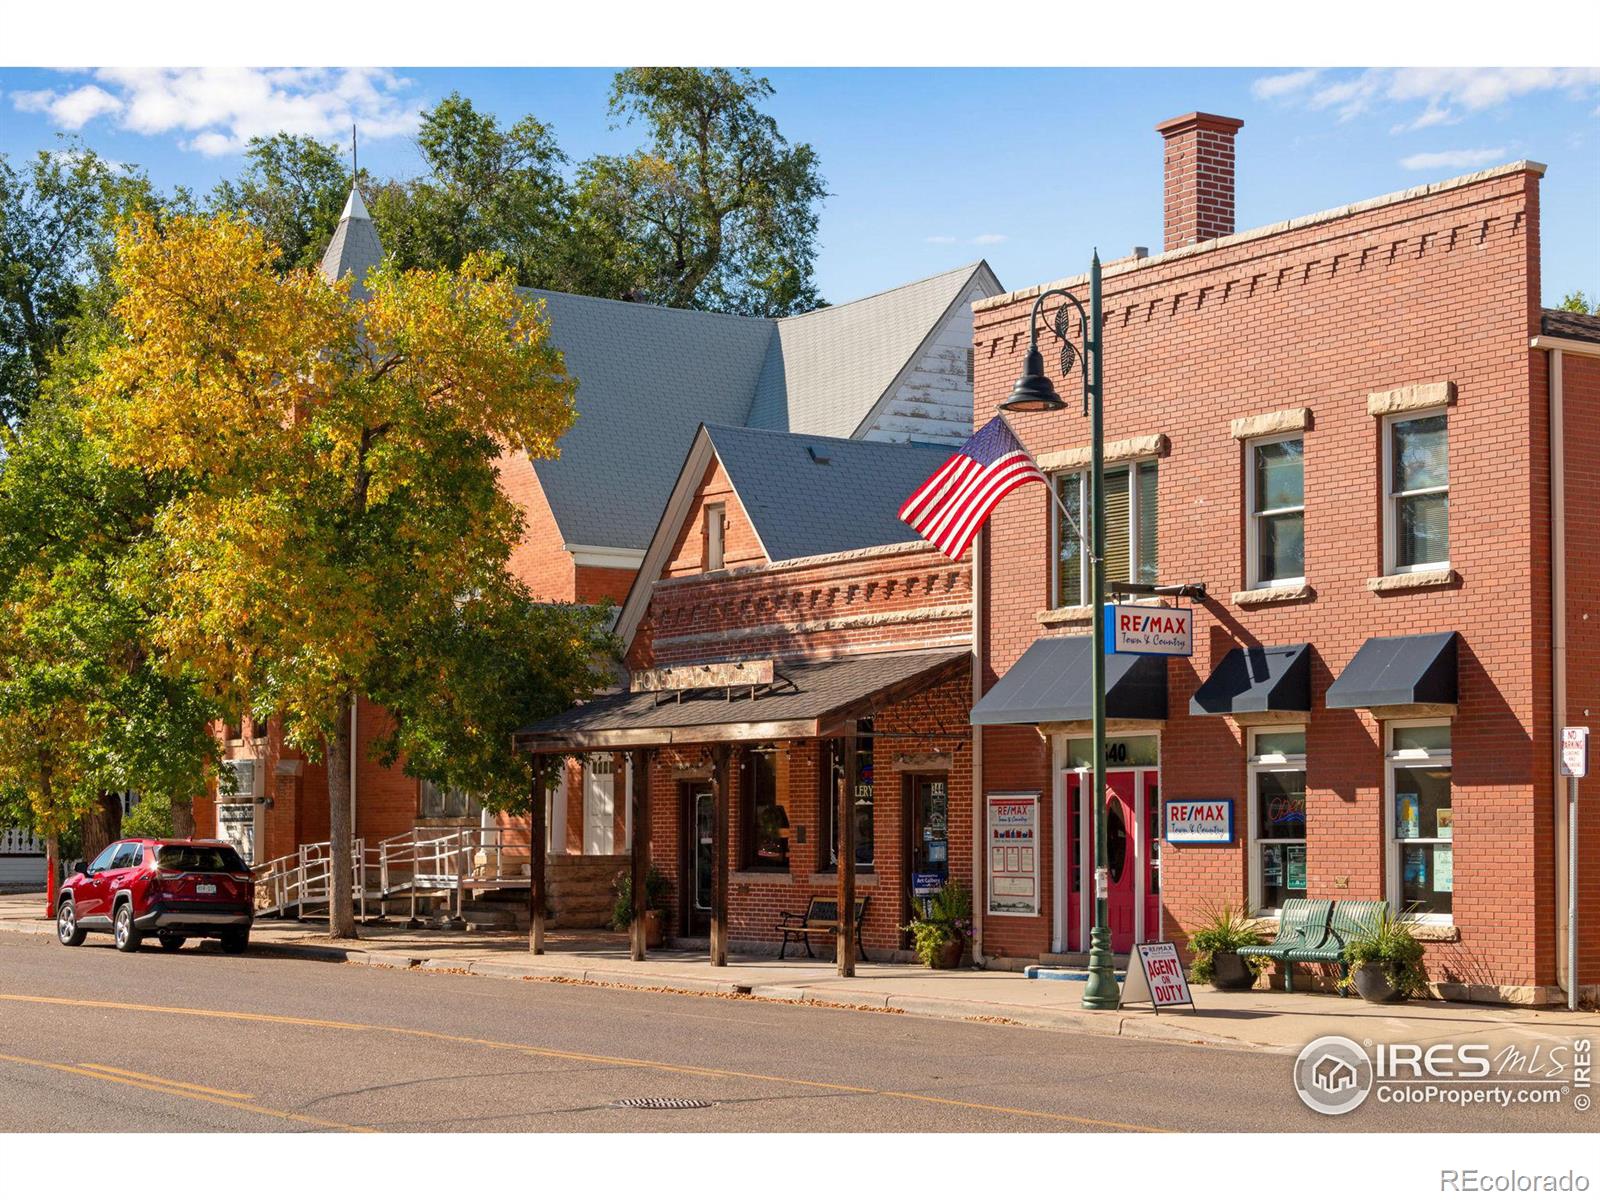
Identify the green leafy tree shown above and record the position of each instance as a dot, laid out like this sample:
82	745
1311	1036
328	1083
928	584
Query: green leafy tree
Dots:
487	188
1579	303
718	211
58	211
292	189
342	454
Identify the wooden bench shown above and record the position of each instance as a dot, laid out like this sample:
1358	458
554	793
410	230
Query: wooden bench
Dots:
821	918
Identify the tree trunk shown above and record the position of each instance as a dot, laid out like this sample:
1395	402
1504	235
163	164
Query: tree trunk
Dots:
183	818
336	756
102	825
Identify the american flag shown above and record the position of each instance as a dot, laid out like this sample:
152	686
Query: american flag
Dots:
950	508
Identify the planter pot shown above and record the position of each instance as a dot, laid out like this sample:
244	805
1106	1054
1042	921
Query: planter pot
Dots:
1374	986
1229	973
949	956
654	930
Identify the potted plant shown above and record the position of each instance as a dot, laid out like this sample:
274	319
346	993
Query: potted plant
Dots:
939	935
1215	943
1384	961
656	887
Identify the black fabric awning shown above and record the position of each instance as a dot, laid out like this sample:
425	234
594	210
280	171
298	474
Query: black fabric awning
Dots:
1411	669
1051	683
806	700
1254	679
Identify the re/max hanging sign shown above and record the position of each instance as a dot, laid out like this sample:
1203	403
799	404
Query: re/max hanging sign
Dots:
1145	629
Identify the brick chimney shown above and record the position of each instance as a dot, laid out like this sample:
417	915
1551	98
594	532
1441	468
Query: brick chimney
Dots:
1199	177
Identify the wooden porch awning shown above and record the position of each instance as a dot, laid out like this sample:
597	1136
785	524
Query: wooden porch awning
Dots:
805	700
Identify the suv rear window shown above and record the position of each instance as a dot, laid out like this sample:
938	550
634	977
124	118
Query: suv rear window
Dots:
200	858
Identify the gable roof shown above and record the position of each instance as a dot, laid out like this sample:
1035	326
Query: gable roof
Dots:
648	376
808	495
826	370
798	506
354	248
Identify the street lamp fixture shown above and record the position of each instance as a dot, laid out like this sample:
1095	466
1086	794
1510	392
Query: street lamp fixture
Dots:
1035	393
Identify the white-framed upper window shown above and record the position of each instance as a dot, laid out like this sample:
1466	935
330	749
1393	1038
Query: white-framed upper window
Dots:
1420	819
1275	501
1277	816
716	535
1131	546
1416	474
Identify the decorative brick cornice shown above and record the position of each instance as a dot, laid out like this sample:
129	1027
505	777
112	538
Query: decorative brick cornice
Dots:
794	564
938	612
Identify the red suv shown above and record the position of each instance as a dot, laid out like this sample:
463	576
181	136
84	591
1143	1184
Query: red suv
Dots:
174	889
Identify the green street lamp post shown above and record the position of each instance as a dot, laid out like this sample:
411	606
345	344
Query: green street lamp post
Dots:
1035	393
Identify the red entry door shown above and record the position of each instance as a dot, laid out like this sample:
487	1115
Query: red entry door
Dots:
1122	859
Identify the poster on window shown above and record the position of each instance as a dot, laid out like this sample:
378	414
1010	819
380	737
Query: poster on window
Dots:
1295	867
1444	872
1013	844
1272	866
1445	826
1407	816
1414	867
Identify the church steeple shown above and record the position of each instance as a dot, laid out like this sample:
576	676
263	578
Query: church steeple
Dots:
354	248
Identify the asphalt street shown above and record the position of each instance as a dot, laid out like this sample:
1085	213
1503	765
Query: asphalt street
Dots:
94	1040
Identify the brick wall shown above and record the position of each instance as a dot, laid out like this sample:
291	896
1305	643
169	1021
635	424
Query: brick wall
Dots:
1437	286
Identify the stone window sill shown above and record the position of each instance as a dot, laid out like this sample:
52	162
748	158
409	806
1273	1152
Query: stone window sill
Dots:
1275	594
1406	580
1066	616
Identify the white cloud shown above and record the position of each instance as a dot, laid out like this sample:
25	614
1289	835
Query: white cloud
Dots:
1441	89
216	110
1273	87
1427	119
988	239
1453	159
940	239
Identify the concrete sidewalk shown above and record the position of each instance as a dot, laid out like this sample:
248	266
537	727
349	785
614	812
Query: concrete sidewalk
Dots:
1257	1020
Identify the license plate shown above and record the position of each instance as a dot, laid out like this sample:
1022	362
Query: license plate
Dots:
205	889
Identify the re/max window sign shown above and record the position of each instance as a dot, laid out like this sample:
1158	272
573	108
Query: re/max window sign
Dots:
1145	629
1197	822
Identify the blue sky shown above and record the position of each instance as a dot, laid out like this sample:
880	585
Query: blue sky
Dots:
927	168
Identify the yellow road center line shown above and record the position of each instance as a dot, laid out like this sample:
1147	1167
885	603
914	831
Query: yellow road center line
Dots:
193	1087
67	1069
571	1056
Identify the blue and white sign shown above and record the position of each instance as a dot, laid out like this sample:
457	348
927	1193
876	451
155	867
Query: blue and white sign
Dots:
926	883
1146	629
1203	822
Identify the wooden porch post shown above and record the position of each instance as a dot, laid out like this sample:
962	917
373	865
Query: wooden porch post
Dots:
845	954
719	871
640	799
536	856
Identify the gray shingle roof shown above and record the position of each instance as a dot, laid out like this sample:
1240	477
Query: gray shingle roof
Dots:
808	691
354	248
1558	322
826	369
821	495
647	376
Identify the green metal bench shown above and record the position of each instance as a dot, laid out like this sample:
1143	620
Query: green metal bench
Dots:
1303	936
1354	918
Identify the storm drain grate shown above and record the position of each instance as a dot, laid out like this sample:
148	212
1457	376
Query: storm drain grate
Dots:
660	1102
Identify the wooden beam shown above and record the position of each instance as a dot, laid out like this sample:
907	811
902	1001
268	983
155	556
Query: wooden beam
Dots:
725	762
845	955
640	799
537	837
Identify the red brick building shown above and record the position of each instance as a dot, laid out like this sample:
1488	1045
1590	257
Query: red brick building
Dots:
1353	426
882	369
780	558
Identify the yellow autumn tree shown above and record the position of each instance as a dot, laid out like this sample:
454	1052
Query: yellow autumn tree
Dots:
339	453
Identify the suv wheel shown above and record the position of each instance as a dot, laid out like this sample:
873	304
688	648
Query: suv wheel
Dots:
67	924
122	930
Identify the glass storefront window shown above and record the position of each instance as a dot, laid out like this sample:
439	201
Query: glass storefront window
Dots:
828	806
1277	817
767	823
1422	819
